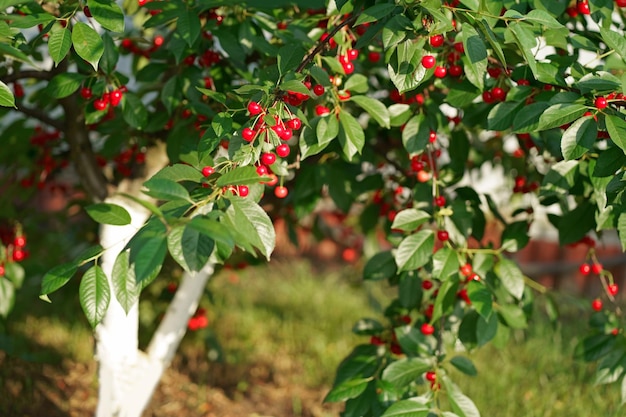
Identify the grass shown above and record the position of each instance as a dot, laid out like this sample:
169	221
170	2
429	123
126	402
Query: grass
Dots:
295	324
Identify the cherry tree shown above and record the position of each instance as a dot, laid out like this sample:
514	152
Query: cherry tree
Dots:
189	126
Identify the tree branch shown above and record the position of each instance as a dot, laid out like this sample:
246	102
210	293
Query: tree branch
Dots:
320	46
21	75
41	116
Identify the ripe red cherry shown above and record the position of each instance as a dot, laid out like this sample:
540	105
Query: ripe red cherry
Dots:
286	134
353	54
456	70
443	236
248	134
268	158
428	61
440	201
620	3
261	170
254	108
2	270
487	97
436	41
377	341
281	25
99	104
281	191
318	89
86	93
583	7
373	56
423	176
19	255
596	268
585	269
115	97
348	67
596	304
294	123
440	71
432	136
19	241
612	289
427	284
322	110
208	170
601	103
431	376
243	190
87	11
458	46
427	329
283	150
498	93
158	40
466	270
572	12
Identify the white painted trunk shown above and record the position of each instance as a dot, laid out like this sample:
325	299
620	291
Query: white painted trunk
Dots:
128	376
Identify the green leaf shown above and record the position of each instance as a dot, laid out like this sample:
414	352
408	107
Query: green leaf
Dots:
445	263
351	135
526	41
107	213
289	57
357	83
486	329
134	111
15	273
415	250
57	277
615	41
326	130
415	135
108	62
380	266
623	390
621	229
125	286
377	110
190	248
108	14
616	127
350	388
464	364
217	231
502	114
188	25
180	172
560	114
544	19
164	189
406	370
6	96
481	298
515	236
461	404
251	225
527	118
59	43
511	277
239	176
375	13
609	162
63	85
296	87
407	408
574	225
599	82
87	43
94	294
475	58
513	316
148	248
7	297
409	219
579	138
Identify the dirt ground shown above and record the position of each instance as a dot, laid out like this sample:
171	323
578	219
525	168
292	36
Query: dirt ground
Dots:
32	389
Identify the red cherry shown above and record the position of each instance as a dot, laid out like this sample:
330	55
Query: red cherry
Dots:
428	61
268	158
294	123
436	41
585	269
115	97
498	94
601	103
86	93
348	67
523	82
427	329
208	170
443	236
100	104
261	170
440	71
281	25
19	255
281	191
158	40
87	11
243	190
612	289
572	12
248	134
373	56
352	54
583	7
596	304
376	341
318	89
427	284
596	268
2	270
431	376
456	70
487	97
283	150
322	110
254	108
620	3
466	270
19	241
458	46
440	201
432	136
423	176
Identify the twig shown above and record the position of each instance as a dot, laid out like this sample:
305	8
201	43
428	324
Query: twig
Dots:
41	116
21	75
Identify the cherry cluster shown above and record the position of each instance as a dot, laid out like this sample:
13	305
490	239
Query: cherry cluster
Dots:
13	245
111	97
198	321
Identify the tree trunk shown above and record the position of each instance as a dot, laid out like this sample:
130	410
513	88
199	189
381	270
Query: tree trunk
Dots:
128	376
